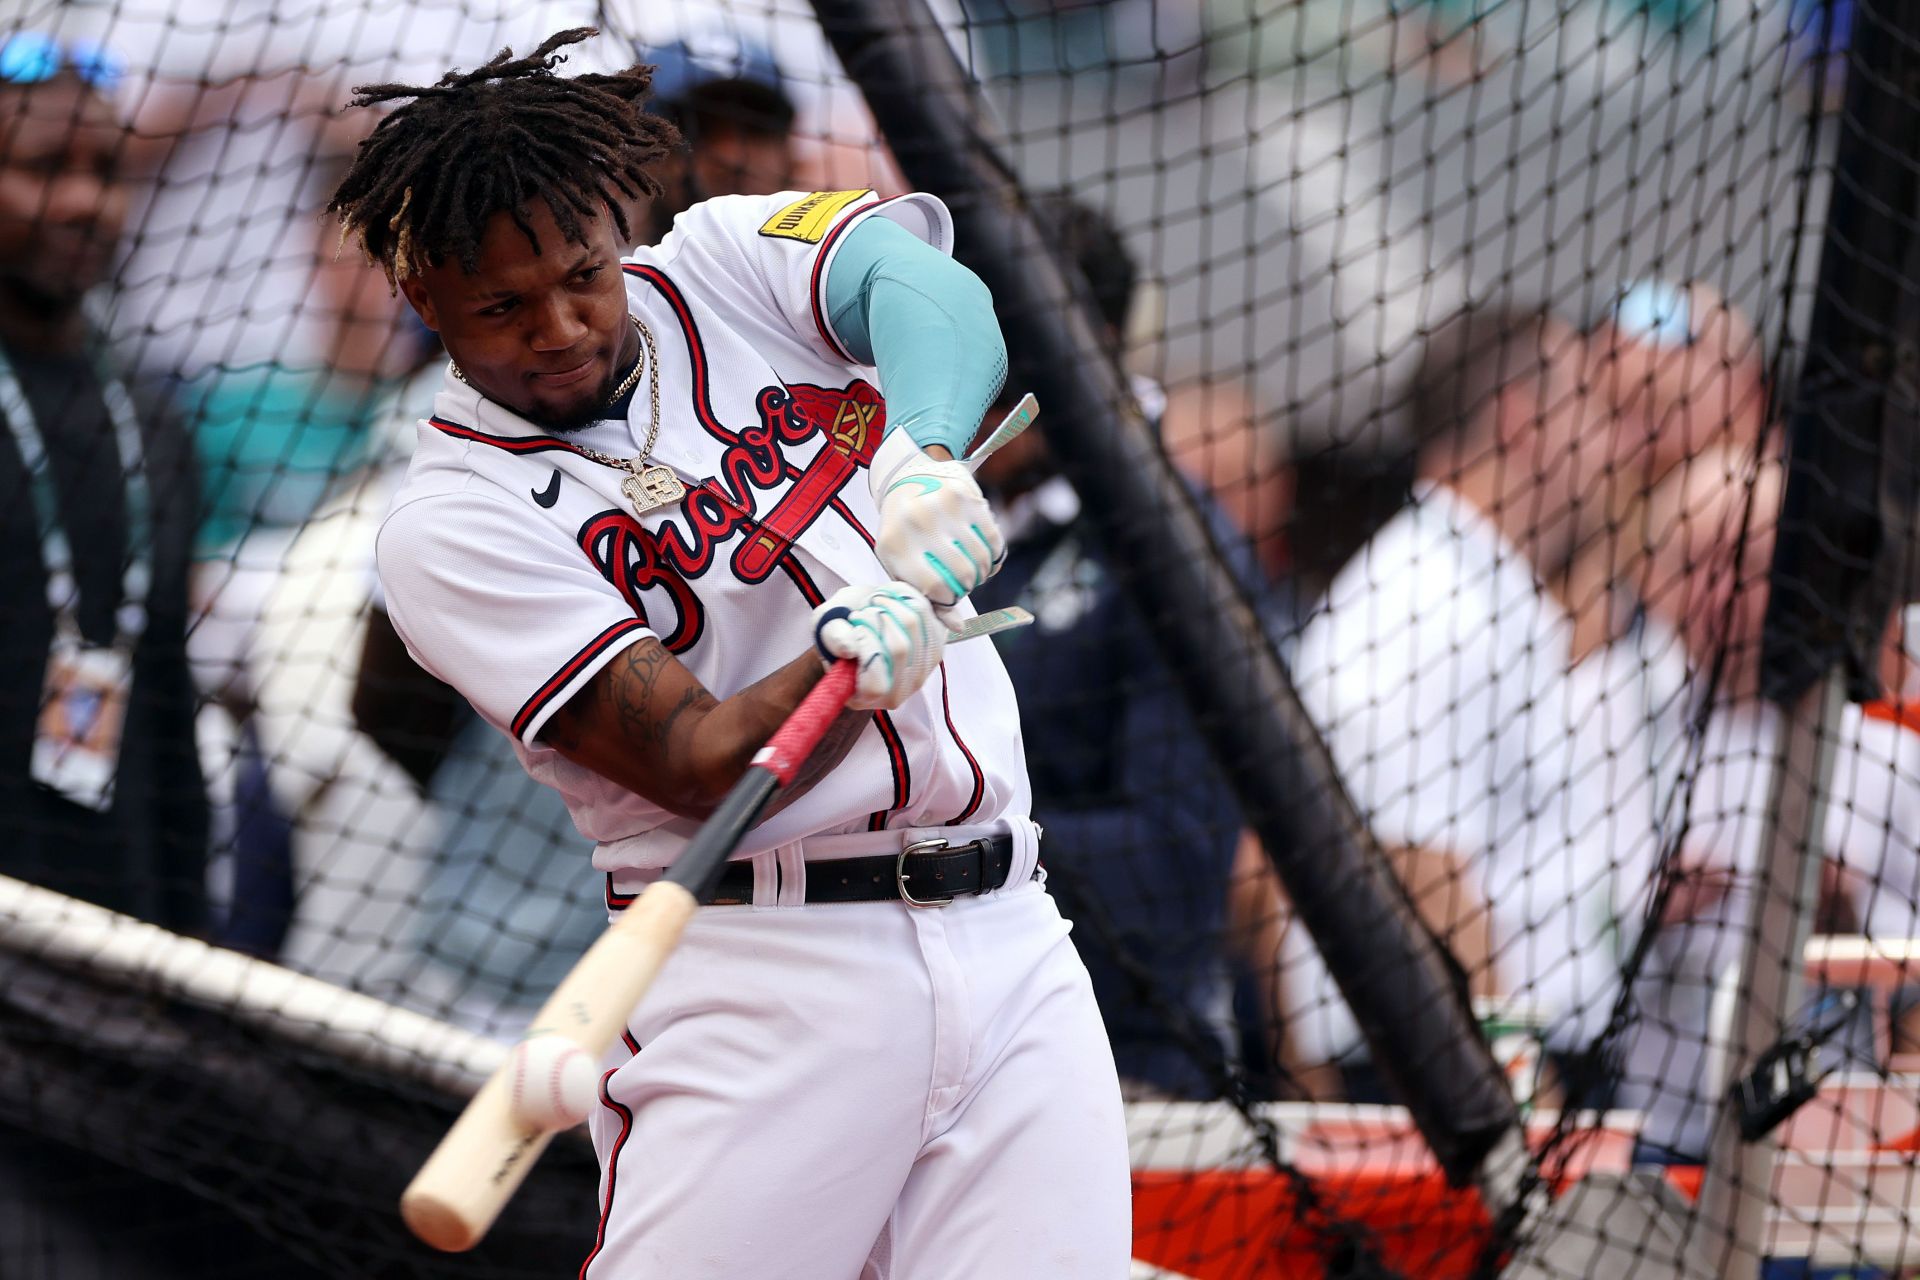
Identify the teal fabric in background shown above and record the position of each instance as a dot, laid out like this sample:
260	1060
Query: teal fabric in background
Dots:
271	442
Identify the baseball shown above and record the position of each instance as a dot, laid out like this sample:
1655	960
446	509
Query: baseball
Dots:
552	1082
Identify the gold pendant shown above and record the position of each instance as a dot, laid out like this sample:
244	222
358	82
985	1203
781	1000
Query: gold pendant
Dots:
653	487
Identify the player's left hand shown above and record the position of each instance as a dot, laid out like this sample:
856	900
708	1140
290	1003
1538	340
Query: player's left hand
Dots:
890	633
937	533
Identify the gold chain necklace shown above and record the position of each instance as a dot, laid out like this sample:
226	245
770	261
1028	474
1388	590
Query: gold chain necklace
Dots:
648	486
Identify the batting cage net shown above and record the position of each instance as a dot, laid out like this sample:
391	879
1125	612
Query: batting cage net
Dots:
1470	707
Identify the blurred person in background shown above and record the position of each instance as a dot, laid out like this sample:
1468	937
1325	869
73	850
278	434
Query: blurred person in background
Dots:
236	317
1141	828
1440	670
101	769
240	316
735	121
100	776
834	142
274	439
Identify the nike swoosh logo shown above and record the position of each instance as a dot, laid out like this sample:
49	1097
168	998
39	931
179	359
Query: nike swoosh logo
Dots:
927	484
552	495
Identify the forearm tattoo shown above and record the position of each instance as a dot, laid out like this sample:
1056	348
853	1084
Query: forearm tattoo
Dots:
631	694
625	698
638	712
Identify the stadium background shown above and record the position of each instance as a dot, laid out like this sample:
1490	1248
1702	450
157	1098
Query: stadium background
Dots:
1310	191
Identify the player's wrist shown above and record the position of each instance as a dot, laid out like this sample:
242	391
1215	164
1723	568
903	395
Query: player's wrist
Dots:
897	453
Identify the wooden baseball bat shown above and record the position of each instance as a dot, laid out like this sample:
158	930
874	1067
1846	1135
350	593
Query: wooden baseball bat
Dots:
481	1162
475	1170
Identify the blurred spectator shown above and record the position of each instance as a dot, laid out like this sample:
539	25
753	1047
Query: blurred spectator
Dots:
238	318
835	143
100	777
101	770
735	121
1440	671
1140	828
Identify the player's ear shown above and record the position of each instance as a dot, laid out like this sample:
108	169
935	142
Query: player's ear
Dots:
414	290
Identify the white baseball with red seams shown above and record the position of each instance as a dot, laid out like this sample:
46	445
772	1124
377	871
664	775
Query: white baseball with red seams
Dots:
554	1082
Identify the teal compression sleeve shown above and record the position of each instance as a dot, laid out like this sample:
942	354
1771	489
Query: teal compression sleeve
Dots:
926	323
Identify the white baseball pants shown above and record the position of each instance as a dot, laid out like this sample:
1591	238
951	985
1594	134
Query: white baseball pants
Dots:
866	1092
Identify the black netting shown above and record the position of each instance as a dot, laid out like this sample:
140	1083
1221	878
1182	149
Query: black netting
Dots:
1495	376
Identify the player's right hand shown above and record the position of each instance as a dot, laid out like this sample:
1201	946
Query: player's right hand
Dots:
937	532
890	631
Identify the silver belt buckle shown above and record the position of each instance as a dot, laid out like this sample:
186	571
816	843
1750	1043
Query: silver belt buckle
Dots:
900	873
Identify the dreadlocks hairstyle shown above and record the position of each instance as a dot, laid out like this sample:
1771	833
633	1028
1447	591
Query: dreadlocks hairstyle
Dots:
430	176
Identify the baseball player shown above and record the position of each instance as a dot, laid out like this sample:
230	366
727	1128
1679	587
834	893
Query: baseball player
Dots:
654	498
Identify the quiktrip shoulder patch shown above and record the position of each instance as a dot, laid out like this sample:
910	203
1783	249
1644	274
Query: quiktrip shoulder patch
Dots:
808	219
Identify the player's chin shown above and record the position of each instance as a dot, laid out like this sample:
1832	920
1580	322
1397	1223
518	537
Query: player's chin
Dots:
563	419
563	411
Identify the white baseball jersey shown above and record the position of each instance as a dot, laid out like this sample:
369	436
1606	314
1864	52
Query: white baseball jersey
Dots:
515	569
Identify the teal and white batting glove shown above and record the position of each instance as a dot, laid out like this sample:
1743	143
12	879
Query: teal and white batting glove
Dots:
936	531
890	631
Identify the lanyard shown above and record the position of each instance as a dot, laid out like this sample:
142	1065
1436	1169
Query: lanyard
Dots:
63	591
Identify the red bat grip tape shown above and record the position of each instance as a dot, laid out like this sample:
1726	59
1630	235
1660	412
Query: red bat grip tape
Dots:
795	740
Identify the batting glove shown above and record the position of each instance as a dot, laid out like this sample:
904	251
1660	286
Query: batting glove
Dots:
890	631
937	533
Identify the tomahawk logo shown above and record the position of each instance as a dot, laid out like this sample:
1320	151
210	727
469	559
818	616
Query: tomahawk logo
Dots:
852	420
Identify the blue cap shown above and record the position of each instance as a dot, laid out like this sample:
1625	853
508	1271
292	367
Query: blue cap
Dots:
1656	312
685	65
32	57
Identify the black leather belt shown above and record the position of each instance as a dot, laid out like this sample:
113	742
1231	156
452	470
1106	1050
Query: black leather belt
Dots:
927	873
